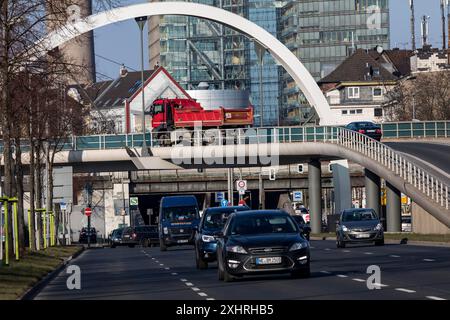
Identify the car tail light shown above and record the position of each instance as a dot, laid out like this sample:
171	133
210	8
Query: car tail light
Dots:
134	235
362	131
378	131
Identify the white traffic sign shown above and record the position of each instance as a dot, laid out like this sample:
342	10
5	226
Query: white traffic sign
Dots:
241	185
297	196
63	205
134	201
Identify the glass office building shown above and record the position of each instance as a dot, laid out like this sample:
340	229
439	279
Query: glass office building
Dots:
323	33
195	50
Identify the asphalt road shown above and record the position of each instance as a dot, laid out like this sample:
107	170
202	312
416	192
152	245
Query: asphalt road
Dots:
432	156
407	272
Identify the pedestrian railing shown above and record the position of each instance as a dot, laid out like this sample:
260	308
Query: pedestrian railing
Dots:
423	129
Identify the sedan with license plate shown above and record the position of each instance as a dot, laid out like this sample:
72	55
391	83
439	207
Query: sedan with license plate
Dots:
261	242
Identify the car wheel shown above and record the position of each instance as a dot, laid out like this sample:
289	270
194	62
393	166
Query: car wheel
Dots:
162	245
200	263
379	243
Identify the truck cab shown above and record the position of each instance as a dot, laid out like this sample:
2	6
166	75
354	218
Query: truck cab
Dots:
178	218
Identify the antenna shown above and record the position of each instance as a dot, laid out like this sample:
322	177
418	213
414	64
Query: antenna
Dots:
413	28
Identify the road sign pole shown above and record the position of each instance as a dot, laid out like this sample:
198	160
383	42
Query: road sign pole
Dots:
16	227
44	228
5	204
29	229
1	235
89	231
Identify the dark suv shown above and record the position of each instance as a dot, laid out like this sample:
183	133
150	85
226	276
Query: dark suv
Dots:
147	236
211	224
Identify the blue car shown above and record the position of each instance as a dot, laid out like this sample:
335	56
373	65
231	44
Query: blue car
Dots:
211	224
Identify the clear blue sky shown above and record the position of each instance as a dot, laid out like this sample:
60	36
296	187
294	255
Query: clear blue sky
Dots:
120	42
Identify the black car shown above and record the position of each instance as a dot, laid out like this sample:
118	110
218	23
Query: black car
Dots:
261	242
85	233
147	236
210	225
367	128
359	225
304	227
116	237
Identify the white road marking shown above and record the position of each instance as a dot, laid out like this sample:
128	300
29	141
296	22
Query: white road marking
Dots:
195	289
311	247
327	249
405	290
346	251
210	299
161	264
152	258
358	280
381	285
184	280
166	268
189	284
202	294
341	276
435	298
368	252
174	273
326	272
429	260
394	256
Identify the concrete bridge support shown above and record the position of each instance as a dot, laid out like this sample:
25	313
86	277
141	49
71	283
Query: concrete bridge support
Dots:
393	208
315	195
373	191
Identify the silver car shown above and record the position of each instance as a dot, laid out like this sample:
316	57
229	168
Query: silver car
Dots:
359	225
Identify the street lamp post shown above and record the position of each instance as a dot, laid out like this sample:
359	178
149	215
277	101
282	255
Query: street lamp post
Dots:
141	21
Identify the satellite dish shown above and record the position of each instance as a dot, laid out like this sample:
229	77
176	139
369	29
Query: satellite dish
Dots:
380	49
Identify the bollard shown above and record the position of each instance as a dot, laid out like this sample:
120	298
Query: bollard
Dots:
29	229
44	227
16	227
5	205
52	229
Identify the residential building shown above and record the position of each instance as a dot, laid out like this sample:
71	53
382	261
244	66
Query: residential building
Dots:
428	59
358	88
322	34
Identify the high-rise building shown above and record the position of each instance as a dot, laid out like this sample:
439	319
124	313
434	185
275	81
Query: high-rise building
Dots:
323	33
196	50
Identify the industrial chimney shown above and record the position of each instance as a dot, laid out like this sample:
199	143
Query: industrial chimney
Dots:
80	51
443	24
425	29
413	27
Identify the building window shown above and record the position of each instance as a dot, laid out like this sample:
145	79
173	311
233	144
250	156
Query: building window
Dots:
353	92
377	92
352	111
344	112
359	111
378	112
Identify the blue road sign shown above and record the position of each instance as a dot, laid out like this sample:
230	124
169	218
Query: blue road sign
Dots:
220	196
297	196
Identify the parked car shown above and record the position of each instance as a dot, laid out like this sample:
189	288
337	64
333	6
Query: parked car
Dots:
147	236
406	224
304	227
178	218
129	237
367	128
359	225
116	238
85	233
210	225
261	242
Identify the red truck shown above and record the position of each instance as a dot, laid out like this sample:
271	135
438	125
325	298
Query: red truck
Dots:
171	114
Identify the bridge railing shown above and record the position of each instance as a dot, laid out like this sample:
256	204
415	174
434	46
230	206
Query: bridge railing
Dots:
412	129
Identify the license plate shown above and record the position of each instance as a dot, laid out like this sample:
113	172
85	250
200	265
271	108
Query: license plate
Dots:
272	260
183	241
371	131
363	235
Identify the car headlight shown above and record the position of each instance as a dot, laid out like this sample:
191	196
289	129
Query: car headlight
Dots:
236	249
298	246
379	227
165	230
206	238
345	229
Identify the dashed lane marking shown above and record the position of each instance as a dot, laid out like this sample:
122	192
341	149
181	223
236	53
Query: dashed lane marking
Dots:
429	260
325	272
195	289
202	294
435	298
358	280
341	276
368	252
381	285
174	273
167	268
346	251
405	290
184	280
394	256
210	299
189	284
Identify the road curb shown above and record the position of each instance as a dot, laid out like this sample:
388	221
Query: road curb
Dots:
31	293
390	241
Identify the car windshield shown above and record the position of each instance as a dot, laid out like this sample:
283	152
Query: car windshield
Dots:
361	215
366	125
215	219
260	224
180	214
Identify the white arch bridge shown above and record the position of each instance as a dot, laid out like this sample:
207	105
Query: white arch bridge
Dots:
279	51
